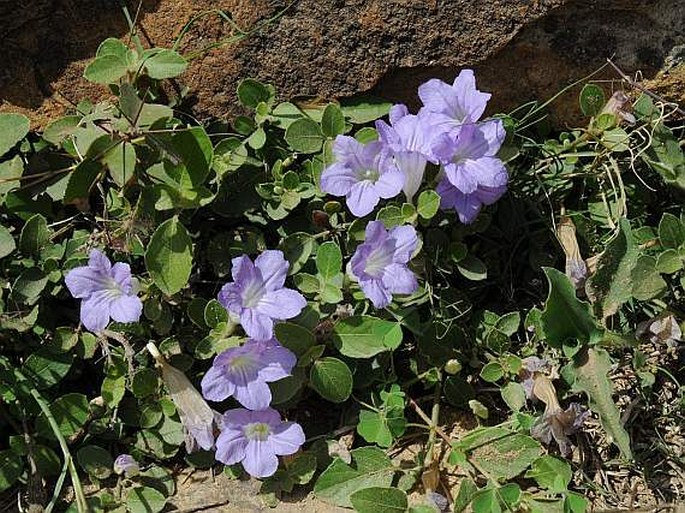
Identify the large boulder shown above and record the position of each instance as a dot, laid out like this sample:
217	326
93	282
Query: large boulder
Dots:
522	49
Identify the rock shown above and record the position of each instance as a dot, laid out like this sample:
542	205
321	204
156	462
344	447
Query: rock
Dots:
522	49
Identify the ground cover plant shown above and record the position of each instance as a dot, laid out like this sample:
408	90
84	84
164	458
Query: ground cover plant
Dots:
320	295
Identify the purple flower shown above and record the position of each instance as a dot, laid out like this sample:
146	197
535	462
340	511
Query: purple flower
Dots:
108	291
255	439
125	464
473	175
407	143
380	263
358	175
257	295
243	372
460	102
559	424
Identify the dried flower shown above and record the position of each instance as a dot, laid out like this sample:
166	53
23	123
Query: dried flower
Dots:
256	439
198	419
126	465
531	367
617	106
576	268
108	291
663	329
380	263
360	175
243	372
559	424
258	296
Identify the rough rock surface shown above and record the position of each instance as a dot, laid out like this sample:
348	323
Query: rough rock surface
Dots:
522	49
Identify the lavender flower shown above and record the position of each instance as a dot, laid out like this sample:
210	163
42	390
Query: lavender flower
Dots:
108	291
243	372
380	263
473	175
126	465
358	175
407	143
459	103
257	295
559	424
255	439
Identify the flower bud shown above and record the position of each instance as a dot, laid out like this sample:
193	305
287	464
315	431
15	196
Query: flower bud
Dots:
126	465
453	366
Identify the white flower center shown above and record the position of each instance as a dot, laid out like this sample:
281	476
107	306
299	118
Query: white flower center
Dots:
252	293
371	175
377	261
258	431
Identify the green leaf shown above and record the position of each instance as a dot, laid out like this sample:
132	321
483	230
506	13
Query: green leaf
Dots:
364	109
514	395
332	379
332	121
144	500
592	99
69	411
647	282
229	155
13	128
472	268
285	114
616	139
11	468
589	373
565	316
485	501
251	92
671	231
121	162
669	262
492	372
112	46
10	171
295	337
106	69
145	382
364	336
379	500
305	136
34	235
28	286
214	314
551	473
297	248
610	285
7	244
96	461
81	181
370	467
165	63
169	257
47	368
508	323
428	204
382	427
329	260
467	489
59	130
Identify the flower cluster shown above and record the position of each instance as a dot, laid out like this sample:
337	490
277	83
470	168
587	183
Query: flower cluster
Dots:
447	132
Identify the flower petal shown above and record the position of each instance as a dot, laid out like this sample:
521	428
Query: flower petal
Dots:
121	273
397	112
230	298
257	325
98	261
215	385
390	183
230	446
274	268
260	461
337	179
95	311
413	165
126	309
362	198
242	269
375	233
83	281
278	363
467	206
406	242
400	280
348	151
375	291
287	438
461	177
255	395
281	304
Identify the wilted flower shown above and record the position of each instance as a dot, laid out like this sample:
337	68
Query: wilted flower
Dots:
257	294
198	419
108	291
126	465
576	268
559	424
380	263
255	439
663	329
407	143
617	106
460	102
474	176
243	372
358	175
531	368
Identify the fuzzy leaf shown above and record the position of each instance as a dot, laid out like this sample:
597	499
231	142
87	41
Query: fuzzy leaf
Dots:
589	373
